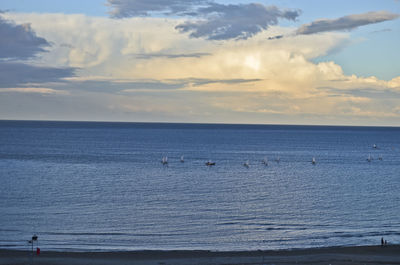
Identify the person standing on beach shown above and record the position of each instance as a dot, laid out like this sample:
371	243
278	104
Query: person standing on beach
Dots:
382	242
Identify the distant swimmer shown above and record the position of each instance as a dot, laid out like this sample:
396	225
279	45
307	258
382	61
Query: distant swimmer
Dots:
313	161
246	164
375	146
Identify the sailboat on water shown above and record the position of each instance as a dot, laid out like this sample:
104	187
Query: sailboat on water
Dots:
209	163
164	160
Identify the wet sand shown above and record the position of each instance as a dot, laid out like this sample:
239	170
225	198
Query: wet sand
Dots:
334	255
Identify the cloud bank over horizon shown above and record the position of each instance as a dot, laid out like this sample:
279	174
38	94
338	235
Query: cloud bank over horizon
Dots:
141	68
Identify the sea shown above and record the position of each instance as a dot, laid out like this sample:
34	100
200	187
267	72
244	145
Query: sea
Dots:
101	186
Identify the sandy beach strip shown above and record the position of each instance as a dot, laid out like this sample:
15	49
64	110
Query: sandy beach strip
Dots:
333	255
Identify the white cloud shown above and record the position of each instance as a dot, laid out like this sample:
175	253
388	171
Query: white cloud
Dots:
179	78
81	41
395	83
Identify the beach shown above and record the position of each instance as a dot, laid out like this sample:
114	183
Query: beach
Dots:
332	255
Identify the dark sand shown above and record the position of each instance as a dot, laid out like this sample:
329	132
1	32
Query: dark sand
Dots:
334	255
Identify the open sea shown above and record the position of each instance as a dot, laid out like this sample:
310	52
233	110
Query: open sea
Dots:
93	186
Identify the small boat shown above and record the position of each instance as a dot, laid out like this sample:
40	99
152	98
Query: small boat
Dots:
380	158
369	159
313	161
375	146
265	161
209	163
246	164
164	160
182	159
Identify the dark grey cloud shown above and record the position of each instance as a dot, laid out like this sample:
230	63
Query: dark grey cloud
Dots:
112	86
67	45
19	41
223	22
170	55
209	20
381	31
346	23
133	8
15	74
367	92
276	37
142	85
199	82
205	81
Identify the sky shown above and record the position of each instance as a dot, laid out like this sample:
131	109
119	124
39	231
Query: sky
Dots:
201	61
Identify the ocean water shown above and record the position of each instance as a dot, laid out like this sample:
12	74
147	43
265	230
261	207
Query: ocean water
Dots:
102	187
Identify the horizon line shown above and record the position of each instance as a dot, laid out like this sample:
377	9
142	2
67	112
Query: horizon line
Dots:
199	123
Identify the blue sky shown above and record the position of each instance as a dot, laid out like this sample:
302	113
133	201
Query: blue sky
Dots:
88	7
281	61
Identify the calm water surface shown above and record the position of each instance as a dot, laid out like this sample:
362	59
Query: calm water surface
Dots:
101	186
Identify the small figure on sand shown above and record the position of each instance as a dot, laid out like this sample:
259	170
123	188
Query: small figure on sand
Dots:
382	242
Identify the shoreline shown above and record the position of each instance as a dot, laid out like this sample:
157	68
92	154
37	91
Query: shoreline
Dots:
328	255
